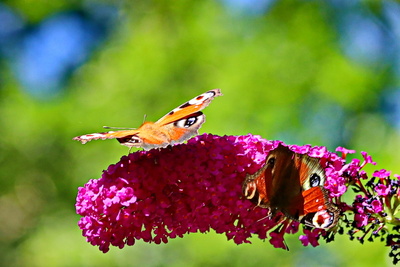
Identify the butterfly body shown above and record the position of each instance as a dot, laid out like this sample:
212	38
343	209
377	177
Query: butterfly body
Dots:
293	184
175	127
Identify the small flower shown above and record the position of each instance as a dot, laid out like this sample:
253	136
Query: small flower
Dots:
361	220
318	152
293	227
367	158
300	149
376	206
381	173
382	190
335	183
277	239
345	151
310	237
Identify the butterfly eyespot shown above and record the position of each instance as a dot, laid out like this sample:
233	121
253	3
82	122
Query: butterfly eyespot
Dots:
323	219
129	139
315	180
271	161
186	123
190	121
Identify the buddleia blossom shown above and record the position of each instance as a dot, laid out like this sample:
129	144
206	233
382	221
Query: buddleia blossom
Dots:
166	193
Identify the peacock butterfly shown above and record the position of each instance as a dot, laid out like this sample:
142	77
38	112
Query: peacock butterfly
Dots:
175	127
293	184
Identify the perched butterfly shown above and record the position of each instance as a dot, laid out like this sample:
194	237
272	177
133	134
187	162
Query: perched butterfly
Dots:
175	127
293	184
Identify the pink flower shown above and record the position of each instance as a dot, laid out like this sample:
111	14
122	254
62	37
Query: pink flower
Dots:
361	220
382	190
381	173
300	149
318	152
293	227
352	169
277	239
160	194
345	150
367	158
310	237
376	206
335	183
166	193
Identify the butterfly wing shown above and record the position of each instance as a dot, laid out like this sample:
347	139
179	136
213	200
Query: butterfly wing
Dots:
255	188
185	121
312	207
285	190
192	107
147	136
318	211
179	124
106	135
261	187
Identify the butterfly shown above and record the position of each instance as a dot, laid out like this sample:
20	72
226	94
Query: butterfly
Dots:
175	127
293	184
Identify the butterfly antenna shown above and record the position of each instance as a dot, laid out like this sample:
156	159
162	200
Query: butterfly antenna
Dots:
120	128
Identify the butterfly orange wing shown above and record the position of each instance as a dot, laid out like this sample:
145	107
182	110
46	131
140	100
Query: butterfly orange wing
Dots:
189	108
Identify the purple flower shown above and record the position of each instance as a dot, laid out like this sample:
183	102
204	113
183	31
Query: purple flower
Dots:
318	152
376	206
160	194
361	219
277	239
367	158
382	173
382	190
345	150
335	183
300	149
310	237
166	193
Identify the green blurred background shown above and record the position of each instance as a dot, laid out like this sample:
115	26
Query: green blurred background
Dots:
318	72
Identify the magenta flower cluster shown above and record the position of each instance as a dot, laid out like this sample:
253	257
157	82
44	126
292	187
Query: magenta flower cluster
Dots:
197	187
160	194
